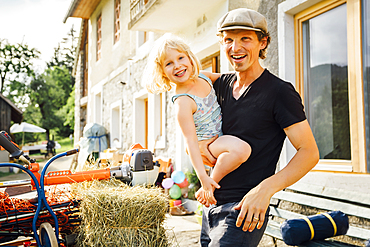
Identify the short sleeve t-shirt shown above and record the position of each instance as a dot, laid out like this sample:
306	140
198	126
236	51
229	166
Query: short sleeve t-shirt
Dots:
258	117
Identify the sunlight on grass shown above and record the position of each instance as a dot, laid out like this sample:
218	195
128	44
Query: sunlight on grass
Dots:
66	144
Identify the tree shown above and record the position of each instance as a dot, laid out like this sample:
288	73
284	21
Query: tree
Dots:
64	54
68	110
50	91
15	60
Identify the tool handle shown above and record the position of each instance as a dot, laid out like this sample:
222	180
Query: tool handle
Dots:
64	177
10	147
73	151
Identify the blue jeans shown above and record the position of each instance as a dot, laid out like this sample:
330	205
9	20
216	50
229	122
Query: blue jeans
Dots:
219	229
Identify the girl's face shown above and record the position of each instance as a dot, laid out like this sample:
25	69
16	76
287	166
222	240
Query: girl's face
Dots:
177	66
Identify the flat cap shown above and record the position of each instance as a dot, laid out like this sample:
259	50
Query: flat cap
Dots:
242	18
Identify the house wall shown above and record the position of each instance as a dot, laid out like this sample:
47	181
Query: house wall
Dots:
116	77
125	60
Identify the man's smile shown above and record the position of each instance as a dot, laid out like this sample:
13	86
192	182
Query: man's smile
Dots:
238	58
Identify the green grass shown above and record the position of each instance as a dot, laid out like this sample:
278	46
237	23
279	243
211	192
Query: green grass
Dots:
66	145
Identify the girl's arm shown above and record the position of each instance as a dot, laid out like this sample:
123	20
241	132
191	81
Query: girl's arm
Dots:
185	106
212	76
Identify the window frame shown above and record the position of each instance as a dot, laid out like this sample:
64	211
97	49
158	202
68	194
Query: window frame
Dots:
115	127
117	21
355	89
212	61
98	37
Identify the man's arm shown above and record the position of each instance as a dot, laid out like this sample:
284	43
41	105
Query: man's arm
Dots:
254	204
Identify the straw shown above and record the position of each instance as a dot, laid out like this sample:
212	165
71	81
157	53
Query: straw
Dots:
115	214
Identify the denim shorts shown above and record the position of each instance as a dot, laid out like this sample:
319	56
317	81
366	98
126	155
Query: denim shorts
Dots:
219	229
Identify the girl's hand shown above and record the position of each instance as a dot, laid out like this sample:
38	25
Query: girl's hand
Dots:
209	186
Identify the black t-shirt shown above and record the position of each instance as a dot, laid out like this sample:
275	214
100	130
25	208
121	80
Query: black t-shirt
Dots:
257	117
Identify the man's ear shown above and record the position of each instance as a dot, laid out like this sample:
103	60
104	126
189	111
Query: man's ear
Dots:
263	43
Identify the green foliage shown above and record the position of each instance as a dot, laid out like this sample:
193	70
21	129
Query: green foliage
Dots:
47	98
14	61
68	110
65	143
53	91
194	183
50	91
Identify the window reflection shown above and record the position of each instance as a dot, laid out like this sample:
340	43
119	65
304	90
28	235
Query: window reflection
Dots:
326	82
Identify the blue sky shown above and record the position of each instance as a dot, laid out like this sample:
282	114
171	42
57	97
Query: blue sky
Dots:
38	23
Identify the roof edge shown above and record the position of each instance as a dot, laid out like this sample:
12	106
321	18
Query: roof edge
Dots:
71	9
11	104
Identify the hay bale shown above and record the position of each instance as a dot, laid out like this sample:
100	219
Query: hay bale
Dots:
115	214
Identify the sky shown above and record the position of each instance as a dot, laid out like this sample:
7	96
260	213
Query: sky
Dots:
37	23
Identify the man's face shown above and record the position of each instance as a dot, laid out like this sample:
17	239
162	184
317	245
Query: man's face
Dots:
242	48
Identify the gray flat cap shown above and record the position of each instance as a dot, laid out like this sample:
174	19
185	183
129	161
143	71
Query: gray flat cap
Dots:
242	18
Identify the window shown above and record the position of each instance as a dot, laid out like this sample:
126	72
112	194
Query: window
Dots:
366	69
117	25
98	38
142	37
98	108
146	121
150	120
211	63
140	118
157	120
325	82
327	63
115	128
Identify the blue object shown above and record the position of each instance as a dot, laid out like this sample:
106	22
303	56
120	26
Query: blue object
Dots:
315	227
178	177
41	203
367	243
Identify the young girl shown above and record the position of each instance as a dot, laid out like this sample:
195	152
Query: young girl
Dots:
171	63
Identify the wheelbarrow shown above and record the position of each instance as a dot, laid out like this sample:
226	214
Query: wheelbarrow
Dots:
139	165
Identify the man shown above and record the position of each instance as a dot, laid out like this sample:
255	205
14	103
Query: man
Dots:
262	110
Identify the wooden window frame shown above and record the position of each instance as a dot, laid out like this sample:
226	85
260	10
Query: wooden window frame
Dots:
146	112
212	61
85	61
98	37
355	85
117	22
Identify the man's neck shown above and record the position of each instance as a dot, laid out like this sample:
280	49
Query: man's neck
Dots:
245	78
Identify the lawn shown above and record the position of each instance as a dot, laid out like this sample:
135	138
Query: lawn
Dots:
65	144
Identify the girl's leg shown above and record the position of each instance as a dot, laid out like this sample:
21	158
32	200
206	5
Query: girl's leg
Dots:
230	152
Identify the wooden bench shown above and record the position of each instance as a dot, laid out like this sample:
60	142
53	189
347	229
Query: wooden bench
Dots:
313	199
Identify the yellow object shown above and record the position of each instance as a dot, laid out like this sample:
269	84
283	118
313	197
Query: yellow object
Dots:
332	222
310	226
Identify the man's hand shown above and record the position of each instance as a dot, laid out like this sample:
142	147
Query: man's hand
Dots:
253	208
207	157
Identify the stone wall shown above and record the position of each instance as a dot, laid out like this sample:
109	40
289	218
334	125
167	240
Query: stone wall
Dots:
269	8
